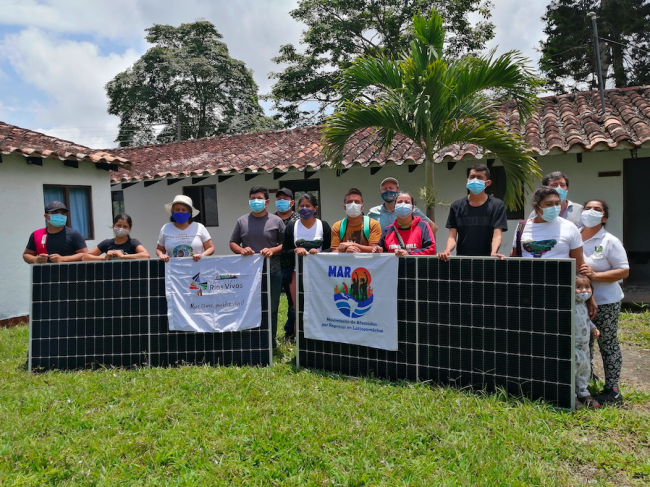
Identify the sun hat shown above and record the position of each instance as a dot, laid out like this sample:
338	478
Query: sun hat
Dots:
389	179
185	200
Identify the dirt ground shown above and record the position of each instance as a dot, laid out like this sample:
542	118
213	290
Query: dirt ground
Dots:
636	368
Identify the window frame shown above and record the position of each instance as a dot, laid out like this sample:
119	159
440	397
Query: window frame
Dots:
200	205
66	194
113	201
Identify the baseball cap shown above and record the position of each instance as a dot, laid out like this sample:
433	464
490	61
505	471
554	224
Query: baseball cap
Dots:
54	206
389	179
284	191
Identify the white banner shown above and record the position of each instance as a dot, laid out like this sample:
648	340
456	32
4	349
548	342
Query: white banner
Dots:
214	294
351	298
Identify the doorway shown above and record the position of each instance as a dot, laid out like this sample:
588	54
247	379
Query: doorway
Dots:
636	230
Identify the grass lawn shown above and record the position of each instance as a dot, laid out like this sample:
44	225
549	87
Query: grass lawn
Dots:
275	426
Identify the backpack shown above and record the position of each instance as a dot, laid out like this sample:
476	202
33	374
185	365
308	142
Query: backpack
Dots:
366	228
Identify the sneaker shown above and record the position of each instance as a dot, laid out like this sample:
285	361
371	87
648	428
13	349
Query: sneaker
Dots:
588	402
609	394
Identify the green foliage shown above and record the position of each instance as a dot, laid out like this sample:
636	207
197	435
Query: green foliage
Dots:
187	77
568	58
339	31
275	426
436	103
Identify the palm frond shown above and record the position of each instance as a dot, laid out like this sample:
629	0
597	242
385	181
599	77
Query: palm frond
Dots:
380	72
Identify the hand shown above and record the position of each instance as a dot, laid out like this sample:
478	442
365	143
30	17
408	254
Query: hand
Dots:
587	271
401	252
352	249
164	257
197	257
377	249
595	333
109	255
495	254
343	246
266	252
314	251
56	258
41	259
300	251
444	256
592	307
247	251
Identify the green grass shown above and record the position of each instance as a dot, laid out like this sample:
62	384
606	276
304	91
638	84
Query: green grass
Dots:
275	426
635	329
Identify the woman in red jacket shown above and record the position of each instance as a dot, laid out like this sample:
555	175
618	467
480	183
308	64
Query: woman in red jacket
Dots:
408	235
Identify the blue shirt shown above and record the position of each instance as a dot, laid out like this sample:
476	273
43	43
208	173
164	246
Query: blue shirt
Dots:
386	218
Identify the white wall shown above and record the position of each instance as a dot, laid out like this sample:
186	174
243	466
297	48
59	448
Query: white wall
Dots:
145	205
21	210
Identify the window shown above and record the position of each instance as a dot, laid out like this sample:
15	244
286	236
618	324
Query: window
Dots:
78	200
205	200
498	189
302	186
117	198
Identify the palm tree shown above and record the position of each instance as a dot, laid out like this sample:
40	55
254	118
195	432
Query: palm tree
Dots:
436	103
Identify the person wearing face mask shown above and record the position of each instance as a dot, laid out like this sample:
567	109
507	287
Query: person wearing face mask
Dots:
385	213
284	203
120	247
568	209
57	242
605	265
585	332
309	235
356	232
408	234
183	237
260	232
476	223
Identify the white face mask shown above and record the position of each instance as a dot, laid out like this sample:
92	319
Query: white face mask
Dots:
582	297
353	210
591	218
120	232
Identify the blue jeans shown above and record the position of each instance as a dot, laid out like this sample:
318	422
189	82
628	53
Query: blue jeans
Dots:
291	310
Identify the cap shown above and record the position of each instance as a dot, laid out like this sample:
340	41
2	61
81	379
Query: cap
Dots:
389	179
284	191
54	206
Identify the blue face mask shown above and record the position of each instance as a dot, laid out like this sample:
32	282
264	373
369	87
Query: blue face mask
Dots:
403	210
257	205
389	196
283	205
551	214
181	217
306	213
58	220
562	193
476	185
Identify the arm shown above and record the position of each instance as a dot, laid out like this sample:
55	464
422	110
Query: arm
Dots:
613	275
497	238
451	245
76	257
277	250
434	228
30	257
140	253
161	252
236	249
428	243
94	254
577	255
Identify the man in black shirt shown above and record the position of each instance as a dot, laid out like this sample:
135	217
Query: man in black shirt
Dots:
476	223
56	243
284	203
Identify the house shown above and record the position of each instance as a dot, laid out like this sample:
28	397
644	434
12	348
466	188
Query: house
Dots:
605	156
36	169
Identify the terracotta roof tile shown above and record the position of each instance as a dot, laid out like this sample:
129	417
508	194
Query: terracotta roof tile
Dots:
561	124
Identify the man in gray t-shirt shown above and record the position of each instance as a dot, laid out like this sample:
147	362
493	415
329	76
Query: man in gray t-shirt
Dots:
259	232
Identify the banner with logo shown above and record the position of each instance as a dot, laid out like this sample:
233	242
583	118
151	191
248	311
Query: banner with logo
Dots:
351	298
215	294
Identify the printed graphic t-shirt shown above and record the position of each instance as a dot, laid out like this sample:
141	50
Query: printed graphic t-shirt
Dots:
183	243
127	247
308	238
355	233
550	240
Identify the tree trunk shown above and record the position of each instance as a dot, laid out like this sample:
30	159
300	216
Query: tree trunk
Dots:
428	178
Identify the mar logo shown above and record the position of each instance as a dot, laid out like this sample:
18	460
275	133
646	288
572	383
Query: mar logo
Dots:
353	296
197	285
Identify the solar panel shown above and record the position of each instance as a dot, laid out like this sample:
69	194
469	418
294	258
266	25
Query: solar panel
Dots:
478	323
114	313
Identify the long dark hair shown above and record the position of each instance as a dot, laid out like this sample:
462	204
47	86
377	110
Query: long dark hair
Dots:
123	216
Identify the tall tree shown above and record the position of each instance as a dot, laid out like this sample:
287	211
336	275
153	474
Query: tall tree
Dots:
568	59
339	31
436	103
186	82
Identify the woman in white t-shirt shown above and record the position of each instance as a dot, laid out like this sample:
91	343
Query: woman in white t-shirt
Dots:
183	237
546	236
605	264
309	235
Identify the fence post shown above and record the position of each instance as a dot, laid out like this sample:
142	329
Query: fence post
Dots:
417	322
269	304
296	306
31	316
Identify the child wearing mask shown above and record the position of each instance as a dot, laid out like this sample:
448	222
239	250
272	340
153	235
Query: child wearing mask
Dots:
584	328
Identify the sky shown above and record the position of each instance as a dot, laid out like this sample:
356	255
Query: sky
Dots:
56	56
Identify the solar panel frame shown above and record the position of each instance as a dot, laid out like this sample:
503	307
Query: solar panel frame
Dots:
492	305
89	331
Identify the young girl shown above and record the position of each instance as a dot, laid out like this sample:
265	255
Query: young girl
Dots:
584	327
120	247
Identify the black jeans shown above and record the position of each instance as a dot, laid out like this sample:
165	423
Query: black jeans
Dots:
291	311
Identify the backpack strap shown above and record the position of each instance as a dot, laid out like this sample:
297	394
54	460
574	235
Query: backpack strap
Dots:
40	239
520	230
366	228
343	228
399	238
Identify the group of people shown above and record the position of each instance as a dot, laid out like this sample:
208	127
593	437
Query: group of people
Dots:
557	228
